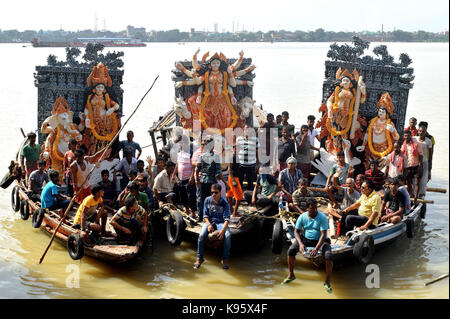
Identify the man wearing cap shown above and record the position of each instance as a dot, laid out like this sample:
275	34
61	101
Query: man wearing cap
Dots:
289	178
30	153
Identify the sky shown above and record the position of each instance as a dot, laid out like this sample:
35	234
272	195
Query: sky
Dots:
291	15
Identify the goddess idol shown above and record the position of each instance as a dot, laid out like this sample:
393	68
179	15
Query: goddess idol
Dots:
342	108
214	104
99	115
381	130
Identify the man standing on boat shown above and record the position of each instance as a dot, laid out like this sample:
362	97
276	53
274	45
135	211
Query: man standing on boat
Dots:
414	159
216	216
30	153
207	173
311	231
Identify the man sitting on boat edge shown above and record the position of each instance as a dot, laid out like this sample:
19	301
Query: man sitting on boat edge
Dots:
311	231
127	222
37	179
50	197
369	208
216	216
393	204
91	215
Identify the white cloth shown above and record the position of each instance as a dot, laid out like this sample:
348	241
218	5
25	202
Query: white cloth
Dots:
426	146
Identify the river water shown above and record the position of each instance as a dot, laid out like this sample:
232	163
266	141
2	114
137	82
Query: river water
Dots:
288	77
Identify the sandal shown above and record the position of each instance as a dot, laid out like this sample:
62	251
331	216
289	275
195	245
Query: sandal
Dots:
287	280
198	263
328	288
226	267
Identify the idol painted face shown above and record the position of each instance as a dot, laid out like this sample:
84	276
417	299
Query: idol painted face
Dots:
99	89
215	64
382	114
345	83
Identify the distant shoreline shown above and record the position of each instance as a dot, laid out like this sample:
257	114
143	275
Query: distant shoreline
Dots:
177	36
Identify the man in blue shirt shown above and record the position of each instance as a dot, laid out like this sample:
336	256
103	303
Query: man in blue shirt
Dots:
216	216
130	144
313	226
50	198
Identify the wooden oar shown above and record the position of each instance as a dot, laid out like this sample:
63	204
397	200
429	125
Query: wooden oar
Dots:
92	170
436	190
424	201
436	279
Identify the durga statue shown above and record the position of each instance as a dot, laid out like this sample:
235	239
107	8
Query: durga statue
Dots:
214	103
61	131
381	130
342	109
99	116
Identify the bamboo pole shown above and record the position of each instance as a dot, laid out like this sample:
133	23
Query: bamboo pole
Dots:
92	170
436	279
436	190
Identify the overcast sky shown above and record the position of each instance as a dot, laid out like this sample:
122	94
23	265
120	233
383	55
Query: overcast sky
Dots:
331	15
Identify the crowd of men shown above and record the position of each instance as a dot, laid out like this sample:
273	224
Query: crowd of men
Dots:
212	191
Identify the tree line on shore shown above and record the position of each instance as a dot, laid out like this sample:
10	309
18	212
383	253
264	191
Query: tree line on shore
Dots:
319	35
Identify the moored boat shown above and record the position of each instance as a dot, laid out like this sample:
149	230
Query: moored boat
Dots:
105	249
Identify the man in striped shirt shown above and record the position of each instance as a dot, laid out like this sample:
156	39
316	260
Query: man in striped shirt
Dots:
247	148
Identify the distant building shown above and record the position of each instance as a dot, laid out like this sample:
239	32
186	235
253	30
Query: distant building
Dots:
133	32
216	28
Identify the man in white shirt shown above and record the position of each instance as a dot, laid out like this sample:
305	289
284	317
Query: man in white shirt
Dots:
313	136
165	183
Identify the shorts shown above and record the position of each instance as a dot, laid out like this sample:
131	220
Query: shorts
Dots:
326	247
235	191
87	223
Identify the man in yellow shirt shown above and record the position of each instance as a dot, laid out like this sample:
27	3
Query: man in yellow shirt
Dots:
91	215
369	208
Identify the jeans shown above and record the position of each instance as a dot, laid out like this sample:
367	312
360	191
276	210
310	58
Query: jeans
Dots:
60	204
226	241
249	173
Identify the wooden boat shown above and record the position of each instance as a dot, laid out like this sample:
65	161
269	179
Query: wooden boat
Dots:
355	245
107	249
246	231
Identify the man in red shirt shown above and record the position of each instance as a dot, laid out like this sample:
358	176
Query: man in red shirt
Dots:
375	175
412	126
414	156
